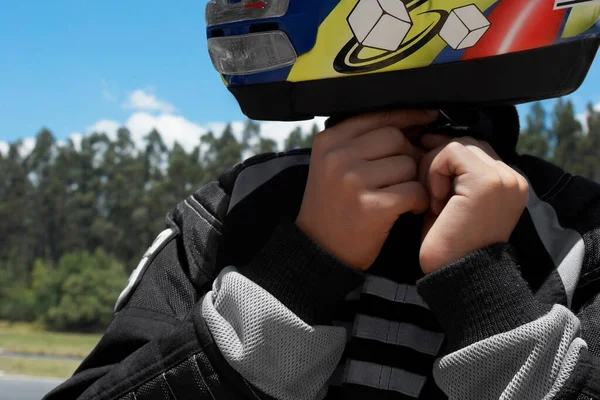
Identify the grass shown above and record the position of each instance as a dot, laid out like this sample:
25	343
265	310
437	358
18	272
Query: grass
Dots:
31	339
38	367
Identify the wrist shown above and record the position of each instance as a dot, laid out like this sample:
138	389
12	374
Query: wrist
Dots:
434	261
304	277
480	295
311	233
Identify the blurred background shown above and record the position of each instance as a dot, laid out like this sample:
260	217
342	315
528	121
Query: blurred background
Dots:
111	113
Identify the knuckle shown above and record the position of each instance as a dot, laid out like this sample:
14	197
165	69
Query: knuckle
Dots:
512	184
454	146
494	183
351	179
523	186
524	183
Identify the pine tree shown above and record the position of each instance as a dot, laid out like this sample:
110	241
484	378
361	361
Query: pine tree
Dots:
534	138
566	133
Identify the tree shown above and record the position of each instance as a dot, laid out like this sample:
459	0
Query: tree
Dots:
67	211
294	139
222	152
566	134
251	136
308	140
534	139
266	146
15	213
82	293
47	203
589	160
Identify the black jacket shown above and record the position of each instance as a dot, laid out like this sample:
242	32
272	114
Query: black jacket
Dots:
159	345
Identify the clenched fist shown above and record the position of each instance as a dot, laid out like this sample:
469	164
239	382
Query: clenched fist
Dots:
362	177
476	199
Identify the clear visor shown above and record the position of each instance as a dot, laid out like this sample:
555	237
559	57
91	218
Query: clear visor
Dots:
252	53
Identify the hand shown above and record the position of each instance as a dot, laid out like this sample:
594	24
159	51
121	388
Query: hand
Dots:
476	199
362	177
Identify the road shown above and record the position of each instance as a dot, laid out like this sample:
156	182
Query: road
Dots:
24	388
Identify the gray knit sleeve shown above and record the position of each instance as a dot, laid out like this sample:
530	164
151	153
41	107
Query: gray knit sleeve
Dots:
268	344
271	319
502	342
531	362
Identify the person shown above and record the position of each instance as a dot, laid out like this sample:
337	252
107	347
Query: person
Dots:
412	253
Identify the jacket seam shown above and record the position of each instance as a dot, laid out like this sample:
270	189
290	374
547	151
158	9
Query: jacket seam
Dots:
202	217
558	187
142	372
212	216
171	319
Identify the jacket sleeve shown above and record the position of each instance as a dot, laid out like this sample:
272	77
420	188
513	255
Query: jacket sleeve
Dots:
271	319
502	342
179	338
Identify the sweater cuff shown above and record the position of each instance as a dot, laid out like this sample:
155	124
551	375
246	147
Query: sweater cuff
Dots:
479	296
303	276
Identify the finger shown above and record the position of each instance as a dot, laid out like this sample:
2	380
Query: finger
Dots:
388	171
488	155
425	164
384	142
404	197
479	148
356	126
454	160
431	141
512	179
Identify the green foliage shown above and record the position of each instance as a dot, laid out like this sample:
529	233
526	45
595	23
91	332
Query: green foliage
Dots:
534	139
76	220
79	292
297	139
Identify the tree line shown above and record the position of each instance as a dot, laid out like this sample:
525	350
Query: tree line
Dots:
77	219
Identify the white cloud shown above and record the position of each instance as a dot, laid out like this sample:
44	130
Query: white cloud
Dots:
175	128
27	145
171	127
279	131
3	148
76	139
107	126
141	100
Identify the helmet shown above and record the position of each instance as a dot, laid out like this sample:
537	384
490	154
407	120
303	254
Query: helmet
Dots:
296	59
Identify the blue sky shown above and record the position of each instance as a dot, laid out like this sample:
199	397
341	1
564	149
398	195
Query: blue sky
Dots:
76	65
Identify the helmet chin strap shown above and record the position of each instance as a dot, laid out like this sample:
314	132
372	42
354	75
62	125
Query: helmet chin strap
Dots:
499	126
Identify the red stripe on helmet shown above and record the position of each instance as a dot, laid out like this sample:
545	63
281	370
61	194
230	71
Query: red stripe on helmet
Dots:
519	25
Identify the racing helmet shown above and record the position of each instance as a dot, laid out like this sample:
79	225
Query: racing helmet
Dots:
296	59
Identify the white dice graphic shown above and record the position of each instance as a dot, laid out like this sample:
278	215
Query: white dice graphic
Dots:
381	24
464	27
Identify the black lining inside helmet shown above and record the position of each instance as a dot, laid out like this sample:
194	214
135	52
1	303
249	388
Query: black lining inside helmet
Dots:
508	79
